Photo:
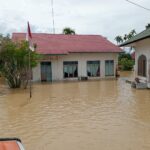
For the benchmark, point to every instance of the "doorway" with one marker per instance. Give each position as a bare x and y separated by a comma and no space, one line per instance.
46,72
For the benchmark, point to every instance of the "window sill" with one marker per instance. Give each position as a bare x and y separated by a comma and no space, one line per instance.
94,76
109,75
73,78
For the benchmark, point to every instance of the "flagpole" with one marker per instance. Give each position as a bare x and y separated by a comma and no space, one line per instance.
29,39
30,74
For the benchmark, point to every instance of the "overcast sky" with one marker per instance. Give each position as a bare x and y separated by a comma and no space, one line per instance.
103,17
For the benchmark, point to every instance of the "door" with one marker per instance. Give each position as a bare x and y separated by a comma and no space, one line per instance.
46,72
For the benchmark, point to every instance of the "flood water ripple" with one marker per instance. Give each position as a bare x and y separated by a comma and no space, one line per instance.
93,115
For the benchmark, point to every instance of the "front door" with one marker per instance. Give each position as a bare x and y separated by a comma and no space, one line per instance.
46,72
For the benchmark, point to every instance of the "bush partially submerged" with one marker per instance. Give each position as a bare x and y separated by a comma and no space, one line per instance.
14,62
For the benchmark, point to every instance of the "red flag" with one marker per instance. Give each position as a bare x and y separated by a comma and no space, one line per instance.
29,32
29,37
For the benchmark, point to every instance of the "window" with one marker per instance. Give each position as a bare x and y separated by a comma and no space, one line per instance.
70,69
142,66
109,68
93,68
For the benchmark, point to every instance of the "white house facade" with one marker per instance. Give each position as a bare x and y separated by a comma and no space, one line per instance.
143,52
74,66
141,44
73,57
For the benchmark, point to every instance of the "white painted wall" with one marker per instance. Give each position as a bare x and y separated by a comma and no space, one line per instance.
82,58
36,72
142,48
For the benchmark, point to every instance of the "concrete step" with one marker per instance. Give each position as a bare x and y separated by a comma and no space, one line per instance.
141,85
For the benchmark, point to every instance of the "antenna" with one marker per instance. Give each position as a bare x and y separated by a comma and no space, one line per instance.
52,3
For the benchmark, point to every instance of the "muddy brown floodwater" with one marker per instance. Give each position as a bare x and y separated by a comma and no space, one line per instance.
93,115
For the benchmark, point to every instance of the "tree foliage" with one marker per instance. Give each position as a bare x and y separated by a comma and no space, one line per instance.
125,61
124,55
120,39
68,30
14,62
147,26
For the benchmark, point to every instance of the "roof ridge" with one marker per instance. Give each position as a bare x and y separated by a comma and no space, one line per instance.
60,34
142,32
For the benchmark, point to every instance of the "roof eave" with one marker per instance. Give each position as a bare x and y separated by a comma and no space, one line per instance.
76,52
128,43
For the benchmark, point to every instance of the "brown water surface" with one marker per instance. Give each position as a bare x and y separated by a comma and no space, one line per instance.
93,115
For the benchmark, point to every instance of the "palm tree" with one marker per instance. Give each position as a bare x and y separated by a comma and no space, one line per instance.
133,32
68,30
129,36
118,39
125,37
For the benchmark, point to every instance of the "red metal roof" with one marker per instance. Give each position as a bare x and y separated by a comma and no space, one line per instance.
9,145
64,44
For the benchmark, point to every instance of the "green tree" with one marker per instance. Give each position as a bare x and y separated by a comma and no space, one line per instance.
14,62
147,26
129,35
126,64
119,39
125,61
124,55
68,30
125,37
133,32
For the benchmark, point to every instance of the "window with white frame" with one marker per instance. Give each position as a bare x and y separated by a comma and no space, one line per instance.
70,69
93,68
109,67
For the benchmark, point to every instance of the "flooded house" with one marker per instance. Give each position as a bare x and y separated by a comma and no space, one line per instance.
73,57
141,44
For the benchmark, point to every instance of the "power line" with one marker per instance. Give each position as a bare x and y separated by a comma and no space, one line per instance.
138,5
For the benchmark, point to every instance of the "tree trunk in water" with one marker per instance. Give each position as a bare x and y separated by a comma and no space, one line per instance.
14,82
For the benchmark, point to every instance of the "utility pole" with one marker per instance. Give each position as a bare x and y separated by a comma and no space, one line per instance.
52,3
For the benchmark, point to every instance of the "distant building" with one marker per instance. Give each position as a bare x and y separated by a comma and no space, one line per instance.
141,44
71,57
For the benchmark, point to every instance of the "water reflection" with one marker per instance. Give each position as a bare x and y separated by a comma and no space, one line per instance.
95,115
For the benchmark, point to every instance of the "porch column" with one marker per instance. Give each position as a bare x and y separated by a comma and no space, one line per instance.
102,69
148,78
149,70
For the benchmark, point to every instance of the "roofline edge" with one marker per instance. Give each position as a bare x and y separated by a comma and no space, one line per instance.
124,44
